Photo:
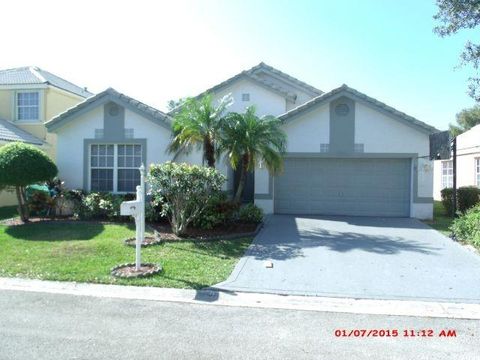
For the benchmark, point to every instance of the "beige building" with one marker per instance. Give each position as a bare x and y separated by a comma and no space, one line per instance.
468,164
29,97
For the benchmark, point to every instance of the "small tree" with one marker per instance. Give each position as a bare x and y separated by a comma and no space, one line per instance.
184,191
197,123
466,119
249,140
22,165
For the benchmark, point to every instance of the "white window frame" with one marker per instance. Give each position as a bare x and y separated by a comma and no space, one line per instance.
477,171
115,165
447,179
16,106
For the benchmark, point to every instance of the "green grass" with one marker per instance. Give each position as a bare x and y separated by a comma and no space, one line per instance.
8,212
86,252
441,222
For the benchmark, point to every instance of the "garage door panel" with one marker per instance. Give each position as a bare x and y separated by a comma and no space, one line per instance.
365,187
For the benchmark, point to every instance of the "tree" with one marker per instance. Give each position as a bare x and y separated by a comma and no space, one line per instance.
455,15
184,191
197,123
22,165
248,140
466,119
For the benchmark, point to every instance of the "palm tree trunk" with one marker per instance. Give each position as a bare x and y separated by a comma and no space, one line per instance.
209,151
243,177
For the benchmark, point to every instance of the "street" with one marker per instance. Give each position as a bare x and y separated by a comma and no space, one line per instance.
57,326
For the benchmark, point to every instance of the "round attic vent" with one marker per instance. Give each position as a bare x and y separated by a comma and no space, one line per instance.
342,109
113,111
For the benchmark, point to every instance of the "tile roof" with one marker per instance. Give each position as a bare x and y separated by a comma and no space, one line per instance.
30,75
10,132
110,94
355,94
252,74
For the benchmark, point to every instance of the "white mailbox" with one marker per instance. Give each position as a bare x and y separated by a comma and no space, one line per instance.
136,208
132,208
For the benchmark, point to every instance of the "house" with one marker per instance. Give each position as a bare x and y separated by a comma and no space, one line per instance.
348,154
29,96
468,164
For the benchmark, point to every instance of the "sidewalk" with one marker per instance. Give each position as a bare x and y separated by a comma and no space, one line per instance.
256,300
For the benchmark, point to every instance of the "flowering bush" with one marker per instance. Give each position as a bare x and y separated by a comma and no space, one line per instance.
184,191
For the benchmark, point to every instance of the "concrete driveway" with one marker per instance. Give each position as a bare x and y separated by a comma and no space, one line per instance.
359,257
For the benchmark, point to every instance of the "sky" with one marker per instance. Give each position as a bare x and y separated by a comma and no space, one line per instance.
156,51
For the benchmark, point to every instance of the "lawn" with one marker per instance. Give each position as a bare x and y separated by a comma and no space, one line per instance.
441,221
85,252
8,212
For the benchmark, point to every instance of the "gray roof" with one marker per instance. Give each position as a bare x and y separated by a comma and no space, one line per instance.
30,75
103,97
10,132
358,96
252,74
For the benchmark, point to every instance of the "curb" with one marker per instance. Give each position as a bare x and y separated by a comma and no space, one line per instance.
255,300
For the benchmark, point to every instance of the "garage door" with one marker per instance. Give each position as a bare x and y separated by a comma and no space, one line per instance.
359,187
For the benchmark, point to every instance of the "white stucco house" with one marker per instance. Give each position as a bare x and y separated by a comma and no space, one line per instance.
468,164
348,154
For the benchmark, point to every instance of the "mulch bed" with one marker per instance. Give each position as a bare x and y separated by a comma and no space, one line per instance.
129,270
237,230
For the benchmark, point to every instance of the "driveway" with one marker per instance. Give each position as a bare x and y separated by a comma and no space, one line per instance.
359,257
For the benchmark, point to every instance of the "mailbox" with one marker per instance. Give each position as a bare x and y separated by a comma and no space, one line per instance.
132,208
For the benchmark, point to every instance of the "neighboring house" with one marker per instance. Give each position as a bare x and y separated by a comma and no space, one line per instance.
30,96
468,164
348,154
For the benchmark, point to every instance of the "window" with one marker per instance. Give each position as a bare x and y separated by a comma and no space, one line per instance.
324,148
114,168
477,171
447,174
102,165
129,160
28,106
245,97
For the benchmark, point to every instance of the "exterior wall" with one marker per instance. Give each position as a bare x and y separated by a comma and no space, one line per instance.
71,142
380,134
52,102
157,137
7,198
468,149
70,146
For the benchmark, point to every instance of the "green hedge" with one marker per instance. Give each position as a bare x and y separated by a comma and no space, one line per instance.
467,226
467,197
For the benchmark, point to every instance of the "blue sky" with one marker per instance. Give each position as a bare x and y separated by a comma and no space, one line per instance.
156,51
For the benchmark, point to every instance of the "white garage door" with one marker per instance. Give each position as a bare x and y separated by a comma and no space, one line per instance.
359,187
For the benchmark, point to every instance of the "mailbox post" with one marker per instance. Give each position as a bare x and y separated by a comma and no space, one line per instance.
136,208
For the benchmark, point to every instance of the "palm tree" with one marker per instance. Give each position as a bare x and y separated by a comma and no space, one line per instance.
248,140
197,123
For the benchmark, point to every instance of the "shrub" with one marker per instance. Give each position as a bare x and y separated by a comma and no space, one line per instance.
219,211
467,226
41,203
447,200
22,165
184,191
250,213
101,206
467,197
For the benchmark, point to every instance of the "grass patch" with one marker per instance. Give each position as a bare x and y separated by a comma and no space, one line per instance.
441,222
86,252
8,212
